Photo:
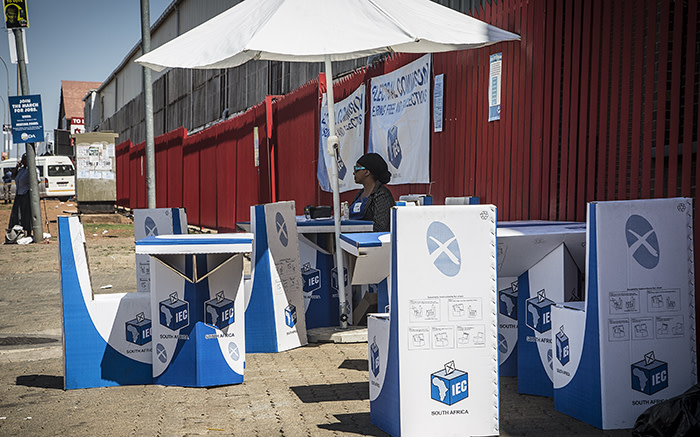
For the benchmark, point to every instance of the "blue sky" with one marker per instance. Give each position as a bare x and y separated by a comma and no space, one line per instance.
73,40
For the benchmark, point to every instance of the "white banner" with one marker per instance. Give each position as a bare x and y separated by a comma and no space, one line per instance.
400,121
350,129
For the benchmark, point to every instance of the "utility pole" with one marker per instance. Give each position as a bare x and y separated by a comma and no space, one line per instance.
37,227
148,99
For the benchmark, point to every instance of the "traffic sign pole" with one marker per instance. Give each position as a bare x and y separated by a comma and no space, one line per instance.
37,227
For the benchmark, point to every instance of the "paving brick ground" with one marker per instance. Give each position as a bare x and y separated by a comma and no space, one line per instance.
317,390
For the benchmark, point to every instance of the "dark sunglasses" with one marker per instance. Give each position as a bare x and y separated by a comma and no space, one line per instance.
358,168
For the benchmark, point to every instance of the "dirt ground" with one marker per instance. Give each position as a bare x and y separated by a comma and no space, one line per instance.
109,243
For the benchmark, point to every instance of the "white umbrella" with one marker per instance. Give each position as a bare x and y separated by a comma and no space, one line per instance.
323,31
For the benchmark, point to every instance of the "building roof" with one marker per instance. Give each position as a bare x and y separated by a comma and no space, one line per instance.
72,94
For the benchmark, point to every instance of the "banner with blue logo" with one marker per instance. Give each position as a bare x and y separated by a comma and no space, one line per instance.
350,129
633,343
438,371
400,121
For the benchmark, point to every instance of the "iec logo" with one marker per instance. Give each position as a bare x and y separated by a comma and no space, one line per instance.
219,311
393,148
642,241
150,227
539,315
281,229
562,346
449,385
342,169
174,313
374,357
649,375
290,315
138,330
444,249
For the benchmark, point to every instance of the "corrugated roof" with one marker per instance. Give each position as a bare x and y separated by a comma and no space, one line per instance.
72,93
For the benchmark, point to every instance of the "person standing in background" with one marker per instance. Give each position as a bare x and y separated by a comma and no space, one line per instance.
21,209
7,185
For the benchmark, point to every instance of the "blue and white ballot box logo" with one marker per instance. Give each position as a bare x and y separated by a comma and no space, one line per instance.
649,375
443,249
150,227
219,312
334,277
562,345
539,312
449,385
374,357
174,312
290,315
138,330
642,241
393,148
281,228
508,301
311,278
342,168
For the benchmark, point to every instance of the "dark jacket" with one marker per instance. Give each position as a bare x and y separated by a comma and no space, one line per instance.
378,208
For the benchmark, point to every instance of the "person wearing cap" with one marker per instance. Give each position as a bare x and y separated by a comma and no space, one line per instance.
375,201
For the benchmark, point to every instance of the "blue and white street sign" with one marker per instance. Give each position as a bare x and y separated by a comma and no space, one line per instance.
27,119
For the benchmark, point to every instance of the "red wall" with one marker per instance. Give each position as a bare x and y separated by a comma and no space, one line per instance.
581,118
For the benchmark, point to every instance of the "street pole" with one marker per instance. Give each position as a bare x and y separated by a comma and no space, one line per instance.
37,228
148,99
7,142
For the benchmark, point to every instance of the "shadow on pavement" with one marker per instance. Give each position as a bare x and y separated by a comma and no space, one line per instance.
350,391
356,423
41,381
361,365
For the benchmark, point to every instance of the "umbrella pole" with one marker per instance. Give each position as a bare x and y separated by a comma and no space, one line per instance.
333,150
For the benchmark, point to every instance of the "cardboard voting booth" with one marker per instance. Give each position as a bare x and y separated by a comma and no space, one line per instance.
274,314
555,278
433,360
368,256
197,308
318,270
521,244
107,337
155,221
632,344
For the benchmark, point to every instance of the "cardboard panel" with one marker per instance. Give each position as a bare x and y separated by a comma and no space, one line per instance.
442,362
638,327
106,338
275,321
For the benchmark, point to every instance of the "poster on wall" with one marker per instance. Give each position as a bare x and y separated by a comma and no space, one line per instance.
495,86
400,121
438,92
350,129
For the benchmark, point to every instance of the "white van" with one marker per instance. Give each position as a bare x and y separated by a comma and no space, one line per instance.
56,176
